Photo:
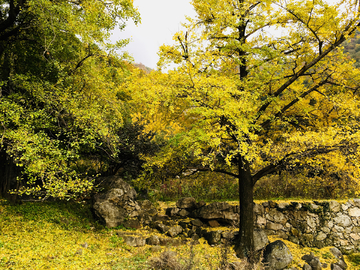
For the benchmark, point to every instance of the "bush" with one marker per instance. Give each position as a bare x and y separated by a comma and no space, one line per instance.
201,185
305,186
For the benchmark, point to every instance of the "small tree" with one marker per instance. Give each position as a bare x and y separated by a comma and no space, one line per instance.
261,87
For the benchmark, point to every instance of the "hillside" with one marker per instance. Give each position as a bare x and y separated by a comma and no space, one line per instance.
352,47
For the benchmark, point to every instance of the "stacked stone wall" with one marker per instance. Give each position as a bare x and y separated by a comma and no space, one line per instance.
313,224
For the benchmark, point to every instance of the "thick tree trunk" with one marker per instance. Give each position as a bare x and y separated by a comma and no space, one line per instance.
245,244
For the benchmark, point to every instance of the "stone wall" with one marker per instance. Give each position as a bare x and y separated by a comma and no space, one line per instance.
312,224
315,224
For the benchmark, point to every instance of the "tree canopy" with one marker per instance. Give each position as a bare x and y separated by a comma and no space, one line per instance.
59,95
260,87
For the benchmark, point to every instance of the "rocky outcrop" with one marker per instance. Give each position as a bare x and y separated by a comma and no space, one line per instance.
117,203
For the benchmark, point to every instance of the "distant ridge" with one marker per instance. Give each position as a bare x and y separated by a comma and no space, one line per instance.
352,47
142,67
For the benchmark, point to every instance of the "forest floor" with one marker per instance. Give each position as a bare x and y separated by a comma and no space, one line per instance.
62,235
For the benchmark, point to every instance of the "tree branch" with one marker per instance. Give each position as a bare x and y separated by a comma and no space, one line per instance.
287,159
307,66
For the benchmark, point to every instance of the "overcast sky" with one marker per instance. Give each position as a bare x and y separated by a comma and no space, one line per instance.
160,20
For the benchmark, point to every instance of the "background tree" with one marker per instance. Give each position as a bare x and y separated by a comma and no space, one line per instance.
59,96
261,87
352,48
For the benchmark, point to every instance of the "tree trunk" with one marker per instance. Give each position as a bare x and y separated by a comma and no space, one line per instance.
245,243
8,177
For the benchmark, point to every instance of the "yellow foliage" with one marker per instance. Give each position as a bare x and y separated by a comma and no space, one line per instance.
275,90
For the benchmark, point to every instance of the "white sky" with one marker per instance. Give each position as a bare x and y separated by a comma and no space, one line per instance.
160,20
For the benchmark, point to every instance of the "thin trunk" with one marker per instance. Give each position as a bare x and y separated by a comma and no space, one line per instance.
245,244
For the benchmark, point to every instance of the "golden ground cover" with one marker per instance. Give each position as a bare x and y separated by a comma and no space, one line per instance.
64,236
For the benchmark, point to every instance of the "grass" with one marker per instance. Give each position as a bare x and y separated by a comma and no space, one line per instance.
56,235
62,235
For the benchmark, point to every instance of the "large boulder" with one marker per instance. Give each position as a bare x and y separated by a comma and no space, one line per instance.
277,256
117,203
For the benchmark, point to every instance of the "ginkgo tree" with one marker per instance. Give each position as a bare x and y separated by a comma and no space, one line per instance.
261,87
60,104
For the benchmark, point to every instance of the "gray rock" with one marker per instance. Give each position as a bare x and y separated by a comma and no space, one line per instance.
172,211
314,208
274,226
170,242
283,206
132,223
160,218
334,206
161,227
337,253
336,266
213,237
354,212
277,255
183,213
308,257
186,203
134,241
343,220
214,210
195,237
348,249
312,261
228,235
356,202
315,264
197,222
276,216
260,239
155,249
153,240
117,203
258,209
345,206
175,230
200,204
321,236
145,205
184,224
341,264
